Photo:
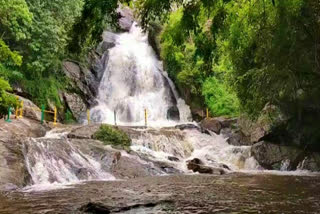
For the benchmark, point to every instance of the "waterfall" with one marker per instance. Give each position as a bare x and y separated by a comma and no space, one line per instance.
134,81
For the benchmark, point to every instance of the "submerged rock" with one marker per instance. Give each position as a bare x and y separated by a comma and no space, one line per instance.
196,165
171,158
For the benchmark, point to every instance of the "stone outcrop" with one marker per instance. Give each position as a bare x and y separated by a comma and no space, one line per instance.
82,80
217,124
235,137
126,18
272,156
211,124
30,110
76,105
13,173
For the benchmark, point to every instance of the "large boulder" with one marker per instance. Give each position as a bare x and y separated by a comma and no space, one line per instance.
81,78
22,127
76,105
126,18
235,137
277,157
30,110
211,124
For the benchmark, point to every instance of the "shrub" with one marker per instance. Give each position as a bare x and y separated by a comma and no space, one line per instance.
113,136
6,100
219,98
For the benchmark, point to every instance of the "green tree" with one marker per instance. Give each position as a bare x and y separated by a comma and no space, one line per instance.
87,30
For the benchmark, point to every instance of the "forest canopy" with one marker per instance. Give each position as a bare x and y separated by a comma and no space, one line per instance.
245,55
37,35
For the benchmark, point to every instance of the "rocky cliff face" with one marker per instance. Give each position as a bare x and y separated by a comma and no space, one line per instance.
84,80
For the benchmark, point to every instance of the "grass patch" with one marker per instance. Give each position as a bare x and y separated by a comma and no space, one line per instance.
113,136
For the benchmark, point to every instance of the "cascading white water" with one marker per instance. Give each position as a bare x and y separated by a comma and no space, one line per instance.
52,161
186,145
134,81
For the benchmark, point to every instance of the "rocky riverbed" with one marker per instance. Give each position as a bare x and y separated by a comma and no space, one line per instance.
64,170
233,193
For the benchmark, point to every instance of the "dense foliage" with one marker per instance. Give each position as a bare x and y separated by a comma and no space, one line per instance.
89,27
266,52
37,35
113,136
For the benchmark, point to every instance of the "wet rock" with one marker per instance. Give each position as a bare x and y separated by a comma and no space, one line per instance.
211,124
175,159
236,137
9,187
98,66
227,122
224,166
109,41
154,31
311,162
126,18
166,168
196,165
81,173
255,130
13,172
272,156
187,126
75,104
173,113
192,126
196,161
84,132
95,208
82,80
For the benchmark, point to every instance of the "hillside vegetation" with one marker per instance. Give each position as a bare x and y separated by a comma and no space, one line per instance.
239,56
37,35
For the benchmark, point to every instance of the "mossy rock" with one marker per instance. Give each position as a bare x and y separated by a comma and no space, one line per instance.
113,136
